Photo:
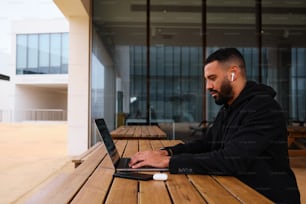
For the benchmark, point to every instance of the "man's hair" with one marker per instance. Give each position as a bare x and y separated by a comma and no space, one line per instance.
226,55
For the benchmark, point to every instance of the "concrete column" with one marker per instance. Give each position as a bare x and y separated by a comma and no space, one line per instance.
78,14
78,85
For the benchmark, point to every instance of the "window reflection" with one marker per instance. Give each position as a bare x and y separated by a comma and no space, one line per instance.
176,43
42,53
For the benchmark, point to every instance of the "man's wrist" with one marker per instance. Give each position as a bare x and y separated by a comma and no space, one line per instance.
169,151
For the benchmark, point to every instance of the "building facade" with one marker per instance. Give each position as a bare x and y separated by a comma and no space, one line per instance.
145,58
37,83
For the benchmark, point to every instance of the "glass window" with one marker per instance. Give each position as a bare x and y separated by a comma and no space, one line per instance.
118,31
65,51
44,53
21,53
44,50
176,92
283,42
228,24
55,51
298,85
176,40
33,51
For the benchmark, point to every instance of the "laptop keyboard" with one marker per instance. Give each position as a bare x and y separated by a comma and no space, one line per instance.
124,163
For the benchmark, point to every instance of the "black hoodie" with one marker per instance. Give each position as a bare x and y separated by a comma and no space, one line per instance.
248,140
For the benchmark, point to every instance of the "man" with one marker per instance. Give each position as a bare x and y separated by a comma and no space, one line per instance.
248,138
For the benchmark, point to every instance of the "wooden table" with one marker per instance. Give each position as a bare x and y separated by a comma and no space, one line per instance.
296,132
92,182
139,132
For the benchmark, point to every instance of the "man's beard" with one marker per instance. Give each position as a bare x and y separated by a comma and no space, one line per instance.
225,94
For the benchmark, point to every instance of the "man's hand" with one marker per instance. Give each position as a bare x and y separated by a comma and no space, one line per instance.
150,158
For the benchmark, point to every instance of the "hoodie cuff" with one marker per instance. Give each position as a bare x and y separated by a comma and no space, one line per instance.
180,165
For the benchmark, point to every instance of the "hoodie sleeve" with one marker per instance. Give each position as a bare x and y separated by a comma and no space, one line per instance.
253,139
195,146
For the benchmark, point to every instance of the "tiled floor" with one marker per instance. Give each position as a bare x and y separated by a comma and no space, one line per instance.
31,153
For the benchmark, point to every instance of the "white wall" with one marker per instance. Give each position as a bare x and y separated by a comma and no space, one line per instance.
39,98
38,101
39,26
6,88
6,101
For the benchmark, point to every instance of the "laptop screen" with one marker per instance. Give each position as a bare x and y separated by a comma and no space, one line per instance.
107,139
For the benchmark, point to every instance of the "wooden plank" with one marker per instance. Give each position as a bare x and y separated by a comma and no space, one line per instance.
156,144
159,132
96,188
182,191
147,189
241,191
66,191
153,192
145,133
79,159
119,131
131,148
290,140
130,132
123,191
294,133
156,133
138,132
45,190
145,145
120,145
296,129
151,132
95,192
211,190
115,132
299,144
297,152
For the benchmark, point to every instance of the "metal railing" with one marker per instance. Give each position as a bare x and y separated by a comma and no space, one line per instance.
33,115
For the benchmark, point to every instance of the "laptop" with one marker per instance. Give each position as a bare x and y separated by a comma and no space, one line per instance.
120,164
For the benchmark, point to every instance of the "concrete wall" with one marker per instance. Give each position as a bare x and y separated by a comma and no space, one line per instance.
39,104
77,13
6,90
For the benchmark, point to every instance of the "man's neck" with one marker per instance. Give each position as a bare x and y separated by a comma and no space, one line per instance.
237,89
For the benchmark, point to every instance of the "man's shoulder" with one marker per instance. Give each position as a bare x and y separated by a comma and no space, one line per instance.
261,103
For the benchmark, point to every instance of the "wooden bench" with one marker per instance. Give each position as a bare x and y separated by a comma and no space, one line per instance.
296,133
93,182
139,132
63,188
81,158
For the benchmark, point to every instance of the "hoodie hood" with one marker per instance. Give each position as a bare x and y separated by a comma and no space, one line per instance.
253,89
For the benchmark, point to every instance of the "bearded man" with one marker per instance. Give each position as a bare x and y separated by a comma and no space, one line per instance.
248,138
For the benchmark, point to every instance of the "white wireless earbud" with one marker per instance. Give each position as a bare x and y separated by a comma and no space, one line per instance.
233,76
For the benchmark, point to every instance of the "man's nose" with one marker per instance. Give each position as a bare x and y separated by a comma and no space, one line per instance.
208,85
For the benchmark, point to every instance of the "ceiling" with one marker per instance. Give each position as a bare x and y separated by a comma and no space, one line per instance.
123,22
